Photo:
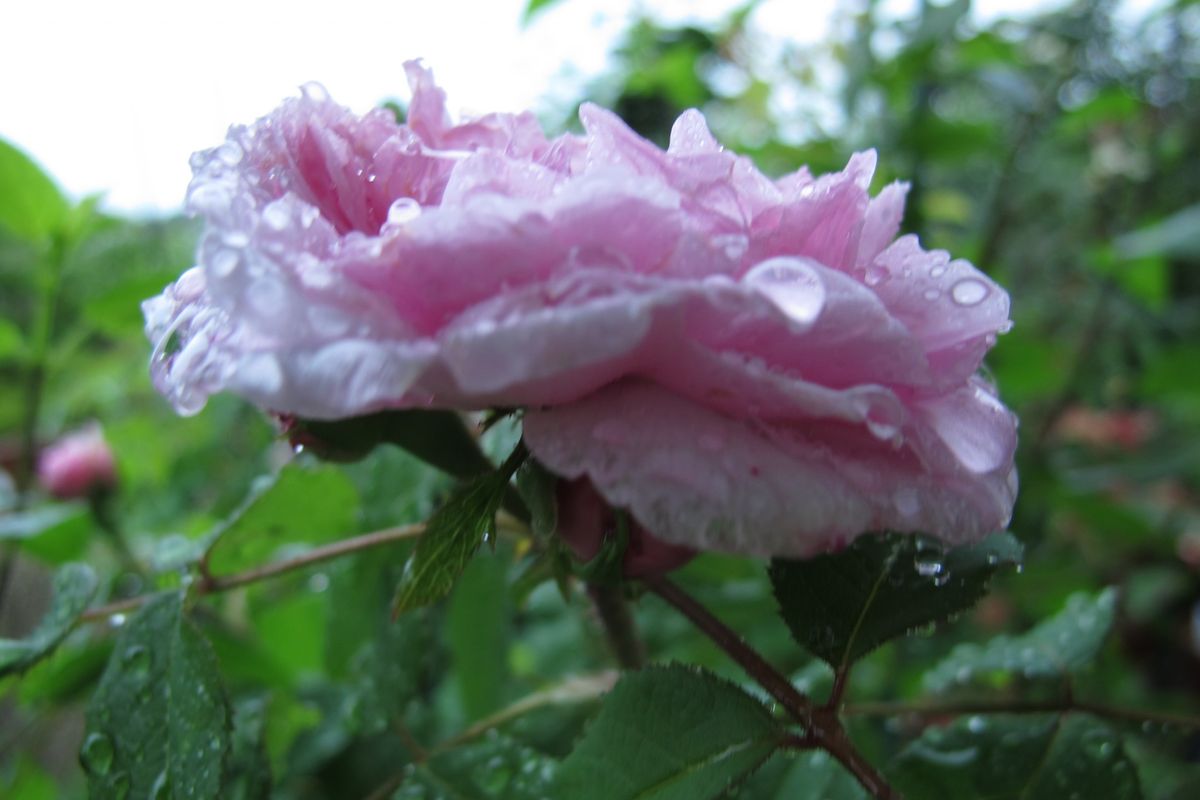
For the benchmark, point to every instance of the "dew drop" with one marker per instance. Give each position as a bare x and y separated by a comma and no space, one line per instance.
932,294
97,754
276,217
402,210
875,276
969,292
116,620
136,660
976,724
928,564
938,271
792,285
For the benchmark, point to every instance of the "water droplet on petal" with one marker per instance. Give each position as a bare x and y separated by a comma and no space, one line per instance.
792,284
229,153
276,217
97,754
932,294
403,209
969,292
875,276
938,271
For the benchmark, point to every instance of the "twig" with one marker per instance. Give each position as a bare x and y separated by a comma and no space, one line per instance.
779,687
1061,706
214,584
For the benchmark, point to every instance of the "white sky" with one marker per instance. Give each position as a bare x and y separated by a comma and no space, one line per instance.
114,95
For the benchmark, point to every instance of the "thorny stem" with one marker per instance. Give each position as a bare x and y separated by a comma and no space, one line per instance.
618,624
210,584
1061,705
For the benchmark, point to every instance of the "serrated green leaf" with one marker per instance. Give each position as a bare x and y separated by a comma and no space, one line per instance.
300,506
842,606
31,206
158,724
452,535
1062,644
669,733
1010,757
74,587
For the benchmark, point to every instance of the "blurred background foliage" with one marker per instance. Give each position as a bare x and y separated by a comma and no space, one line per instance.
1059,152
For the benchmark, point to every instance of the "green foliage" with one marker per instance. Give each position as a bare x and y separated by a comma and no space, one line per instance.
843,605
158,724
1018,758
669,733
74,587
1062,644
31,206
298,506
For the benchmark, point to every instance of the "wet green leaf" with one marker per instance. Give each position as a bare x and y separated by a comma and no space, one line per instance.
842,606
299,506
1062,644
158,725
1010,757
74,587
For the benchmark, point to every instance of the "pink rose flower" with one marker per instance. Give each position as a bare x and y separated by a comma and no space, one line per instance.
745,364
77,465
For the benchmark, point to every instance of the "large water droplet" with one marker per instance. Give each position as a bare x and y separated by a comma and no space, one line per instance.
969,292
928,563
792,284
403,209
97,754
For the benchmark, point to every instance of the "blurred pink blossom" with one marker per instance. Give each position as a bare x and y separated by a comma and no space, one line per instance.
745,364
77,465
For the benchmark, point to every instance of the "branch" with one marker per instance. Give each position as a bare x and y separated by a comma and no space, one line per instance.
1058,706
778,686
214,584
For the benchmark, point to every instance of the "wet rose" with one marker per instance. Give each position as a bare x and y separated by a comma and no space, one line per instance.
78,465
742,363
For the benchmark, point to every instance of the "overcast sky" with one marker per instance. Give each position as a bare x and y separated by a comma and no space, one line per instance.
113,96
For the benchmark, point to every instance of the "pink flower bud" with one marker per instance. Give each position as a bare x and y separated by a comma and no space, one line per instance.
77,464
